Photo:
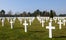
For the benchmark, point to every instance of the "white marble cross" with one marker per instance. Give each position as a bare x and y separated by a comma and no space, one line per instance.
8,18
2,22
55,19
42,23
47,18
51,20
60,23
40,20
30,21
64,22
33,18
50,27
14,19
20,19
11,22
25,24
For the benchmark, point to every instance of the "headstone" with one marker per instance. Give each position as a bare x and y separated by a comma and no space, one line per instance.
64,21
14,19
8,18
33,18
51,20
42,23
58,18
60,23
40,20
20,19
47,18
25,24
50,27
2,22
11,22
30,21
55,19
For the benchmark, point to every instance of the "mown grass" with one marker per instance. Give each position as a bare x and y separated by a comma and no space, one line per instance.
35,31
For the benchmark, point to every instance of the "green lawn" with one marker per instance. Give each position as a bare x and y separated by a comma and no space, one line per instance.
35,31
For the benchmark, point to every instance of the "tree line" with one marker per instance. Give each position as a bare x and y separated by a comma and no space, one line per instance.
36,13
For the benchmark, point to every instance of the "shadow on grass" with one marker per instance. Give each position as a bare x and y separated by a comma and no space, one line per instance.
19,28
59,37
37,31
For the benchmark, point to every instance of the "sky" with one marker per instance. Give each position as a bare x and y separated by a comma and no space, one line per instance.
31,5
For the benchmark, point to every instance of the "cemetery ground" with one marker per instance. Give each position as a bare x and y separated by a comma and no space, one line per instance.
35,31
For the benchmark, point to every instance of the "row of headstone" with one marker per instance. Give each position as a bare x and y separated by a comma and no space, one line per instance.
40,19
50,27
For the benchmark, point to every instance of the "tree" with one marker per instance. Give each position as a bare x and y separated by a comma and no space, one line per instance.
41,14
51,13
36,13
62,14
17,14
29,14
2,13
45,13
9,13
24,14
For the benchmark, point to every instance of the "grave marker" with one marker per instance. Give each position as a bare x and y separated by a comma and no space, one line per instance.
20,19
50,27
11,22
64,22
42,23
30,21
51,20
60,23
25,24
2,22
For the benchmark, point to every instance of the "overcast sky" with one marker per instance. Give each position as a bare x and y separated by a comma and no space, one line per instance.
30,5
